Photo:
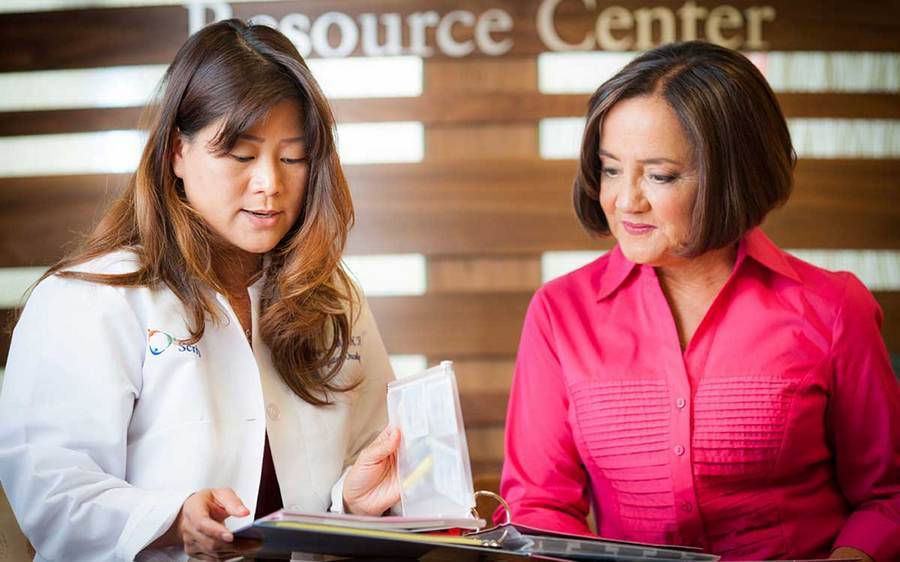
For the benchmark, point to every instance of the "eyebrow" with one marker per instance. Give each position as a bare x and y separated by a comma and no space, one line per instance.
645,161
260,139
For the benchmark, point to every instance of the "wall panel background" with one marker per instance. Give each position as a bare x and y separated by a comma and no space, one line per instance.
483,206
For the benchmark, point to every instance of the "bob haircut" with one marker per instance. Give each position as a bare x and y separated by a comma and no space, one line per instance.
740,140
233,73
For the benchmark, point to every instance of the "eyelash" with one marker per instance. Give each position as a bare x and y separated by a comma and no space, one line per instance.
658,178
245,159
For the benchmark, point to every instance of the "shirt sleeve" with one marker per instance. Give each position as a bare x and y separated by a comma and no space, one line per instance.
72,378
369,415
864,417
544,480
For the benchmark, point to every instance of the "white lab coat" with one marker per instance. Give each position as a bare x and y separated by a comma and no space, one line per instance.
102,439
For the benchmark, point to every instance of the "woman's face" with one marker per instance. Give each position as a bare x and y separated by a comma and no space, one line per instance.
648,180
250,196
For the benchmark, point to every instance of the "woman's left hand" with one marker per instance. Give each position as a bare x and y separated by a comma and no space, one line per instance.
371,486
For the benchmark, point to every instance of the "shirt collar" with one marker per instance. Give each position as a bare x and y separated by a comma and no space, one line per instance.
758,246
754,244
618,268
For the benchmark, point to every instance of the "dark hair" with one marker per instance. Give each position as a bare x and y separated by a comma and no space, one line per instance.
237,72
740,139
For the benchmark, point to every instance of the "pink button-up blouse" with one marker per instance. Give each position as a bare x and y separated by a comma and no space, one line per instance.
775,433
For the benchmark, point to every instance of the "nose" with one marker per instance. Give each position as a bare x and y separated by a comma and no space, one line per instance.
266,177
630,198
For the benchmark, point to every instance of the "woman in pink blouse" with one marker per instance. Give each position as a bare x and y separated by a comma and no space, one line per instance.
696,384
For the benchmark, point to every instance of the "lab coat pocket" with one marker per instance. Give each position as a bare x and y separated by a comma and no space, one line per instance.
177,387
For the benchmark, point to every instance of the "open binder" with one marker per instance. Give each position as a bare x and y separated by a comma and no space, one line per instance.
505,542
436,491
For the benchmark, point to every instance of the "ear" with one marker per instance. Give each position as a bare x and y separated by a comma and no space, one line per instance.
179,145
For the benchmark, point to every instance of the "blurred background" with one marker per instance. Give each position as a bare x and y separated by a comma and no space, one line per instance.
459,125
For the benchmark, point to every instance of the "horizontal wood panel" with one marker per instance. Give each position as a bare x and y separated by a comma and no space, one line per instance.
481,375
495,141
452,274
484,408
7,322
890,328
452,326
480,208
449,109
485,444
477,327
511,75
118,36
484,474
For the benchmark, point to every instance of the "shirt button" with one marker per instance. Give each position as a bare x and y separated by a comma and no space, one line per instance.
273,412
680,403
687,506
679,450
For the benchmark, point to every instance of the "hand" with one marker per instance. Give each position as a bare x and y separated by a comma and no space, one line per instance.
199,524
850,552
371,486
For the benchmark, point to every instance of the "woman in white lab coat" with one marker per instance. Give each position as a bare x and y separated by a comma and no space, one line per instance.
203,358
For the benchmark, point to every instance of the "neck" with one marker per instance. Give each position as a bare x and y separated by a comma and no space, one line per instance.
707,272
237,270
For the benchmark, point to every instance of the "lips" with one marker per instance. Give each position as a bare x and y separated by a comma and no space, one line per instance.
262,213
636,229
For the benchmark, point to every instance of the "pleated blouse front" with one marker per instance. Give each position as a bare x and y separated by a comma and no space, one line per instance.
774,434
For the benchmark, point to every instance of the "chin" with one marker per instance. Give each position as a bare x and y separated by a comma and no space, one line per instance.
258,247
638,255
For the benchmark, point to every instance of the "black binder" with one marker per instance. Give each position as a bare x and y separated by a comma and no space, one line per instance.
280,539
506,542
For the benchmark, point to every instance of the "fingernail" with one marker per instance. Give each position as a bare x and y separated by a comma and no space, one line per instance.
227,537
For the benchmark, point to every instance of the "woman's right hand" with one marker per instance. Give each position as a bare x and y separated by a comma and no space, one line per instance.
200,526
199,529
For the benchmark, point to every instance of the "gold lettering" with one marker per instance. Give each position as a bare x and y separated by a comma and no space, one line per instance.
724,17
614,17
690,13
645,17
756,15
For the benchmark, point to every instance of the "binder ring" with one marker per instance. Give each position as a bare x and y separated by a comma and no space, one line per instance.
497,498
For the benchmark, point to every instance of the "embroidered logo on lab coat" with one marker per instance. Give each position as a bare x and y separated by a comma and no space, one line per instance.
352,353
159,341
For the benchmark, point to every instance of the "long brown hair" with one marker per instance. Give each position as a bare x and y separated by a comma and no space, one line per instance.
237,72
729,113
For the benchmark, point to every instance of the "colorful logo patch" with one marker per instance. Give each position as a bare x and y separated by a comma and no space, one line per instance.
158,341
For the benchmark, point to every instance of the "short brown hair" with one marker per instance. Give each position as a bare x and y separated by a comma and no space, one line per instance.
740,139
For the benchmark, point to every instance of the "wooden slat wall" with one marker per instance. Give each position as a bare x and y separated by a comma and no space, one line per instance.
482,206
120,36
453,108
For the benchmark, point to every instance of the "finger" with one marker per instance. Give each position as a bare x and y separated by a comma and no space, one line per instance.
382,447
210,546
230,502
215,530
201,544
